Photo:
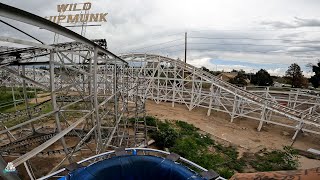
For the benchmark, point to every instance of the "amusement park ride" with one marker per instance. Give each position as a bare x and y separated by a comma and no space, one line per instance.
92,94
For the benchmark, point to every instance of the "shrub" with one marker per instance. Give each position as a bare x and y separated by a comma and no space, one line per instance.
276,160
186,147
185,128
151,121
231,152
165,136
184,139
225,172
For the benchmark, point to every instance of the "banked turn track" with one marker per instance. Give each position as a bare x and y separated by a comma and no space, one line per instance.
174,81
170,80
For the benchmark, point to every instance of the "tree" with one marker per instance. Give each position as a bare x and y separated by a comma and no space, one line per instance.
239,79
295,74
262,78
205,69
315,79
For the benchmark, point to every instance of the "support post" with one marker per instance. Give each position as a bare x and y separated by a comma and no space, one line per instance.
35,89
54,100
115,97
174,83
158,85
234,108
26,98
192,90
13,98
210,100
299,127
95,97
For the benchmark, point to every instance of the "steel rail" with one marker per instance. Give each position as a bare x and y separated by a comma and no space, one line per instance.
128,149
43,146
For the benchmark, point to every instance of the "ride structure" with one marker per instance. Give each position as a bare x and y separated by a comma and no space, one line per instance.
78,102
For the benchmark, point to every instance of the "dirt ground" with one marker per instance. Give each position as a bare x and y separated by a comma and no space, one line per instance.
40,98
242,132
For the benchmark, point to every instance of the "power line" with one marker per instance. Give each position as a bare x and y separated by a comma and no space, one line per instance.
264,39
241,51
163,47
157,44
278,45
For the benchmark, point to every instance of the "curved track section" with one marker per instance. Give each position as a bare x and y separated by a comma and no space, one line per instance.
88,87
83,86
175,81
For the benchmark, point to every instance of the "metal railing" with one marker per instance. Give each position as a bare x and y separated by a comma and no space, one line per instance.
143,150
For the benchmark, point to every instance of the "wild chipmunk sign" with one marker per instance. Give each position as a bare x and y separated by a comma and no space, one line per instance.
80,17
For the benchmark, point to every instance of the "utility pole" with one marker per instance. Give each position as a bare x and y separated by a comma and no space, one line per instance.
185,47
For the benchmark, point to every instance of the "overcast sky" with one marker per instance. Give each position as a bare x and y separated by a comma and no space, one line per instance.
223,34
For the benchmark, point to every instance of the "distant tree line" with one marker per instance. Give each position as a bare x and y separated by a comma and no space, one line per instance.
293,76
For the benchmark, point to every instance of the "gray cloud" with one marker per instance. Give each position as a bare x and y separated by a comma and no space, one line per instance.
133,24
297,23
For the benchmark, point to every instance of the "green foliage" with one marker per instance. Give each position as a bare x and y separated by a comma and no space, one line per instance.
131,120
315,79
205,69
277,160
225,172
186,147
262,78
186,140
151,121
6,98
215,73
196,147
229,151
295,73
166,135
47,107
196,151
239,79
186,128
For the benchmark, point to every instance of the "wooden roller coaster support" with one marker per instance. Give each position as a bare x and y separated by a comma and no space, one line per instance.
54,100
26,98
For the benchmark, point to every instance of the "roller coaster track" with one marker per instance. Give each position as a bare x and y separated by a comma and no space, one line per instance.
4,117
112,91
305,120
71,68
19,146
156,66
15,56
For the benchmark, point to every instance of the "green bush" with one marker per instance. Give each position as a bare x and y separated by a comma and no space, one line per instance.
6,98
186,147
151,121
184,139
225,172
231,152
185,128
276,160
165,136
131,120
